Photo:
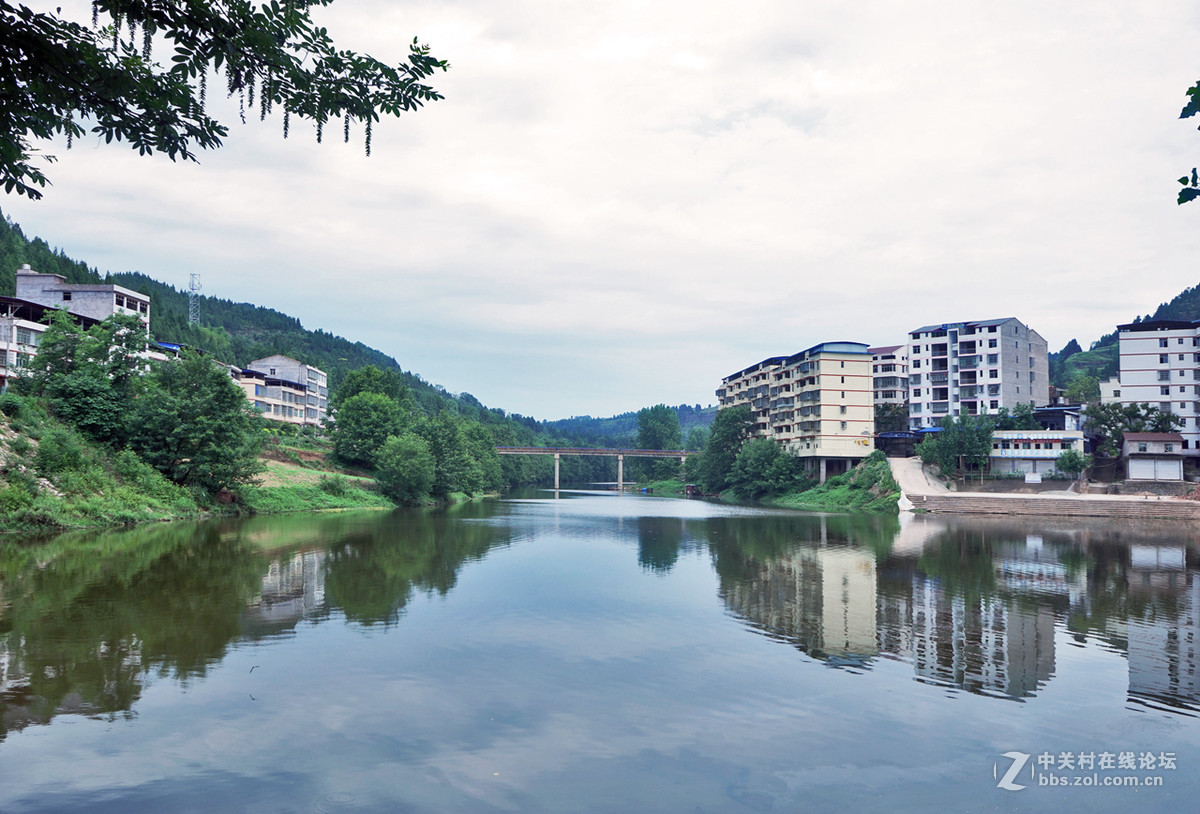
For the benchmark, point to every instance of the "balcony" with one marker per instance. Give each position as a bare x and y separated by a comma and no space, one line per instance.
939,378
939,407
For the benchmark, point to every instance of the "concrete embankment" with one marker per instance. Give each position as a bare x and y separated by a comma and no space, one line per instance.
922,493
1130,508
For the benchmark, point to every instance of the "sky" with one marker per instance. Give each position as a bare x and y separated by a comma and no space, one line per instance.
617,204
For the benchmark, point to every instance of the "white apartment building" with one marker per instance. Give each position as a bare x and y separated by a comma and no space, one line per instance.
314,380
889,366
971,368
1160,366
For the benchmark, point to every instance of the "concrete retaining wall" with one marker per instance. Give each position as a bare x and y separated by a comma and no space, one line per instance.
1153,508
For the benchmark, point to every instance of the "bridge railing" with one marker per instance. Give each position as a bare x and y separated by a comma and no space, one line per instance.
632,453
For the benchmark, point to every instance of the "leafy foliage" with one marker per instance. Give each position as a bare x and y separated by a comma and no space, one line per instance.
730,430
964,443
1111,421
194,425
363,425
405,468
1072,462
763,468
60,74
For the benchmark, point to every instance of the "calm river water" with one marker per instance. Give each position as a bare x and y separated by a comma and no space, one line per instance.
602,653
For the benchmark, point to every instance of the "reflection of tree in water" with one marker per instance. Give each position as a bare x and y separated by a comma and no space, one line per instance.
372,576
659,541
86,618
963,562
89,615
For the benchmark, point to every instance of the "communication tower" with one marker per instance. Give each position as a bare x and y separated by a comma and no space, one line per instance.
194,300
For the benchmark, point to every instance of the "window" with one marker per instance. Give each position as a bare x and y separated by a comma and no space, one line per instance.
993,405
991,343
1164,375
1116,394
1180,342
993,358
66,296
1181,357
916,363
1168,447
1162,358
1165,390
993,374
1162,343
25,336
1141,446
843,425
1165,406
843,413
991,329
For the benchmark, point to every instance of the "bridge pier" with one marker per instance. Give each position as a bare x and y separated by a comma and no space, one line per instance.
620,474
556,471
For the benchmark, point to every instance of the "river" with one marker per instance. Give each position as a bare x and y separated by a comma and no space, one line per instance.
601,653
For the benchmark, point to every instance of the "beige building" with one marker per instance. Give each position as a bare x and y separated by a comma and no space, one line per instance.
818,403
313,380
274,397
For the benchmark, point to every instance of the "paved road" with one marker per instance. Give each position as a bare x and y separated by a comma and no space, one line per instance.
910,474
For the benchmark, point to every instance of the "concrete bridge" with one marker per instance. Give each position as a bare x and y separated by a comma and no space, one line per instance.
619,454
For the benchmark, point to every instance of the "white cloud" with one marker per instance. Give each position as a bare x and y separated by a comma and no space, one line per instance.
616,205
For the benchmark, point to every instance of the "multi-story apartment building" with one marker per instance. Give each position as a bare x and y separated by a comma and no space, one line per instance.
889,366
751,386
21,327
274,397
970,368
1160,365
95,301
818,403
314,380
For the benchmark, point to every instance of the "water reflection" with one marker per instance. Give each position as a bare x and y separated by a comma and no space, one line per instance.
974,604
88,621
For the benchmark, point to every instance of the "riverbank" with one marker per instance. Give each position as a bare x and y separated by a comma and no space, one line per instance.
924,493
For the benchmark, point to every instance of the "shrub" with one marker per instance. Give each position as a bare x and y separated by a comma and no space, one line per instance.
11,404
334,485
59,451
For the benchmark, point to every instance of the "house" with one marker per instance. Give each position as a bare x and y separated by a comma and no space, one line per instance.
1160,366
1154,455
1031,451
314,381
971,368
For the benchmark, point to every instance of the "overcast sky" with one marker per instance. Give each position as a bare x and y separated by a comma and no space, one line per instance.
619,203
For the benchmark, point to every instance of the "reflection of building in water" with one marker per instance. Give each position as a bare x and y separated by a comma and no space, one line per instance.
988,644
291,589
820,599
1164,655
848,602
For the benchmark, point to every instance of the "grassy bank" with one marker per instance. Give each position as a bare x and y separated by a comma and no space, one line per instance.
867,487
670,487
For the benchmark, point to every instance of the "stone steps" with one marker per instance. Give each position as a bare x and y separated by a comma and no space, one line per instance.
1148,509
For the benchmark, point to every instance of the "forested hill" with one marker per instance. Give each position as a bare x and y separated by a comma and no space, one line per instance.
1101,359
621,430
233,332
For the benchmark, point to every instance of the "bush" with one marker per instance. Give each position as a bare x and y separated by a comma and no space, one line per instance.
334,485
11,404
59,451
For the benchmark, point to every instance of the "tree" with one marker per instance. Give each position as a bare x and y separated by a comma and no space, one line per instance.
1082,389
964,443
1072,462
454,468
1021,418
658,428
363,425
1191,185
891,417
89,376
57,75
193,424
405,468
1111,421
764,468
729,431
370,379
